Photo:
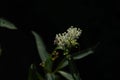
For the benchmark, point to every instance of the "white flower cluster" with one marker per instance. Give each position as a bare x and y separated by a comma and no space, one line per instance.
69,38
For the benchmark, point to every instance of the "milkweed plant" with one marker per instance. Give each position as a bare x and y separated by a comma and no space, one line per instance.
60,63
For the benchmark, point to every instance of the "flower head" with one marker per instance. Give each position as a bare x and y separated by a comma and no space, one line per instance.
68,39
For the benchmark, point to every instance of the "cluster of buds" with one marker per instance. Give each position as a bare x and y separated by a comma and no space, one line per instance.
68,39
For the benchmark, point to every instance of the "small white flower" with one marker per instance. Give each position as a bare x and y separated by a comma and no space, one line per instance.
69,38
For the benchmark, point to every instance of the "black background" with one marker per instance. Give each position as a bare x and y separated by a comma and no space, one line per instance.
99,21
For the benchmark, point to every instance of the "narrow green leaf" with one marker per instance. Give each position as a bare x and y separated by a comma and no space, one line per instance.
82,54
41,47
39,76
86,52
73,69
63,63
30,75
50,76
66,75
48,64
77,55
33,74
7,24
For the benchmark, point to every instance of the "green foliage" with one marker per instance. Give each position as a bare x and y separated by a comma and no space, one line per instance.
48,63
33,73
50,76
7,24
76,56
73,69
41,47
49,60
66,75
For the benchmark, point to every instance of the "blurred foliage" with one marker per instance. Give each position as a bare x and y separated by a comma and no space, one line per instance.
49,60
52,63
7,24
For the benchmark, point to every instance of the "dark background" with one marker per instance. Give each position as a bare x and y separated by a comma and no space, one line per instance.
99,21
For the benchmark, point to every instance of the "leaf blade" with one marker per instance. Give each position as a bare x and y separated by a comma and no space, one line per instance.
82,54
7,24
66,75
86,52
48,64
50,76
76,56
41,47
33,73
73,69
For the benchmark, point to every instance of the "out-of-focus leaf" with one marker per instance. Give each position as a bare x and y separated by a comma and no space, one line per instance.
77,55
30,75
48,64
62,64
7,24
82,54
41,47
50,76
33,74
73,69
66,75
39,76
65,63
